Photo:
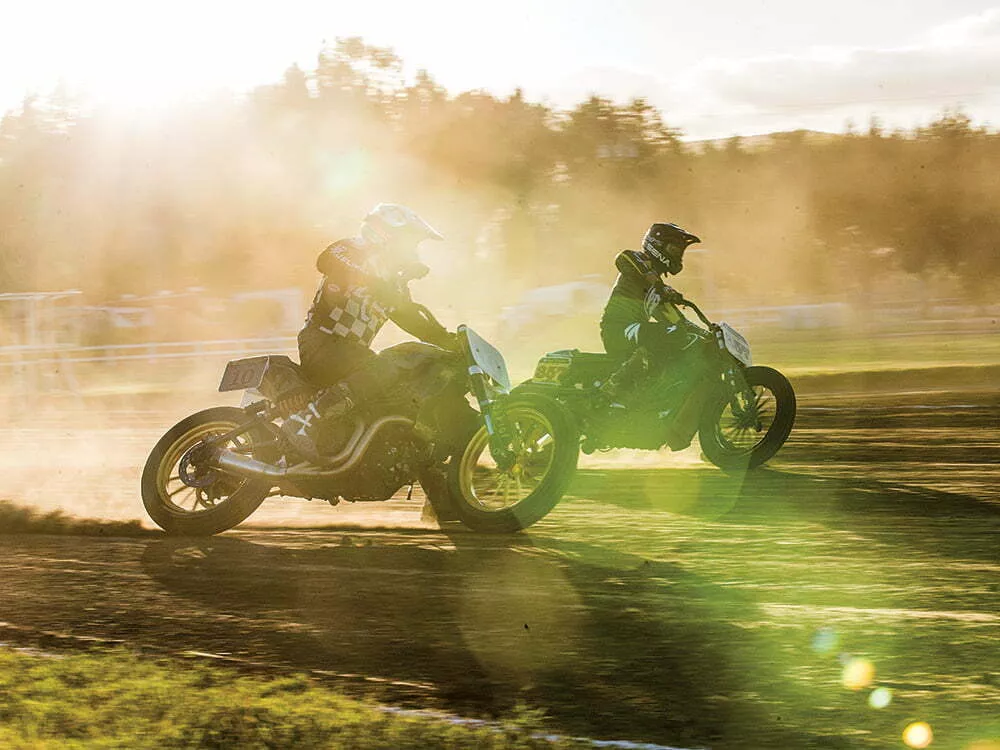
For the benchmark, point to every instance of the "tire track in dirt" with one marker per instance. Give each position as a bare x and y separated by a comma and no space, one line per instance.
672,605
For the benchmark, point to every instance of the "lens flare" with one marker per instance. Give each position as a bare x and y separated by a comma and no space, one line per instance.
347,171
880,697
825,640
858,674
918,735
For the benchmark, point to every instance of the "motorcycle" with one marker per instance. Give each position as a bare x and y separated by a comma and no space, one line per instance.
496,461
742,413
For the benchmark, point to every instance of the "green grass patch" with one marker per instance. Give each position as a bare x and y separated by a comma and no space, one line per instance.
18,519
118,700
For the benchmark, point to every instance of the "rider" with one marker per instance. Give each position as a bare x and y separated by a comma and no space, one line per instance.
626,326
364,284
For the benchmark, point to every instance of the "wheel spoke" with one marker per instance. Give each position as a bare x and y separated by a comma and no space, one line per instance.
732,430
488,496
494,485
204,498
496,497
747,418
182,501
179,490
492,490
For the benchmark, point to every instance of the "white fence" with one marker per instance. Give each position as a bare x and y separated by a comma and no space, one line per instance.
26,371
28,356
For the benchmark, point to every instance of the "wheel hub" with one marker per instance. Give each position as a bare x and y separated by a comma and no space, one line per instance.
748,415
193,470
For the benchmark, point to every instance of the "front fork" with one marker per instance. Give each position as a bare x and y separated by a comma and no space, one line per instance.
492,406
737,382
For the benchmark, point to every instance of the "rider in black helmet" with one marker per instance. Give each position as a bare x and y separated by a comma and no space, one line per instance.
635,326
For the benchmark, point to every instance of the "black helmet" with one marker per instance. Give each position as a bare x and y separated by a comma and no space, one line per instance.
664,246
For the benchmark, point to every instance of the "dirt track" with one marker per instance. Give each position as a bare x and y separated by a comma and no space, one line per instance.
661,604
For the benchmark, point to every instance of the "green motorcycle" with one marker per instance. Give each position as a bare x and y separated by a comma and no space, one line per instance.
742,413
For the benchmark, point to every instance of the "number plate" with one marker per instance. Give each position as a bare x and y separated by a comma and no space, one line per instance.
241,374
551,370
487,358
736,344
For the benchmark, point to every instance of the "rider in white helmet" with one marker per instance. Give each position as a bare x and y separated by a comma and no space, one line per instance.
364,284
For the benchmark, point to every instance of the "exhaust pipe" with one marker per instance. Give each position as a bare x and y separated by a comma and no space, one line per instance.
245,466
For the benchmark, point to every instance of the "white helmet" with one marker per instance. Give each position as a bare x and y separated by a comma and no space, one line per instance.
396,225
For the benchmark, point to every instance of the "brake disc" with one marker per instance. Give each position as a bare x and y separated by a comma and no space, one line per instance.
191,469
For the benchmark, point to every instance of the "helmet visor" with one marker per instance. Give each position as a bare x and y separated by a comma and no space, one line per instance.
418,223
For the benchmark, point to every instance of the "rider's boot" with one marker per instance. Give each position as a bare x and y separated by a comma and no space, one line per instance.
625,378
301,429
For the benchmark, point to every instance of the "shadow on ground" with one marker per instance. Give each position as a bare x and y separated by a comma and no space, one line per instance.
951,524
609,645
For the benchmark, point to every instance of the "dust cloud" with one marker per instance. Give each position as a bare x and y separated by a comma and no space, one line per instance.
141,252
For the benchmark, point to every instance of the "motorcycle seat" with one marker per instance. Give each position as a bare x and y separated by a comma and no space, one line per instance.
586,359
596,358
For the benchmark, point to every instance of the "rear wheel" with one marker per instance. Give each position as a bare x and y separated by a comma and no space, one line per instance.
491,497
741,431
185,498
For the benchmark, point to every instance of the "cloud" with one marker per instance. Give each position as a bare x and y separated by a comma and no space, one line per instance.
863,76
957,63
951,65
981,27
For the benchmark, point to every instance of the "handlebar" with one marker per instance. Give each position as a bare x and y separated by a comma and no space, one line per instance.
442,337
673,296
697,311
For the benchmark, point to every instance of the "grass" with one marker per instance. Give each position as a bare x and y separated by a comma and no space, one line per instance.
17,519
118,700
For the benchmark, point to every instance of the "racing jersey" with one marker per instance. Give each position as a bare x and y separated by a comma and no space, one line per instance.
634,301
353,301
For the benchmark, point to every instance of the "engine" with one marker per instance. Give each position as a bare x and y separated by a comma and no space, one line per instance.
644,430
390,462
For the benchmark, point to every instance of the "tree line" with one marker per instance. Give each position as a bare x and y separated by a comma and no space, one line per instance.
235,192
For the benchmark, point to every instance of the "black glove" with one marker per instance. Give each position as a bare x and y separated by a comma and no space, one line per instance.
413,270
669,294
443,338
393,294
450,342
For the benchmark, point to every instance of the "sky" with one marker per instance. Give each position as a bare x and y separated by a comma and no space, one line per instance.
714,67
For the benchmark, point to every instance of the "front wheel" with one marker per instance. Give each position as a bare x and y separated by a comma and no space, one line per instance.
741,431
184,499
504,498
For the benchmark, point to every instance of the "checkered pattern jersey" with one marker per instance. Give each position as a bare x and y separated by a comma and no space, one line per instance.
344,306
